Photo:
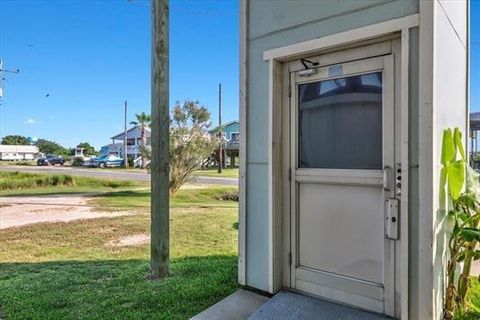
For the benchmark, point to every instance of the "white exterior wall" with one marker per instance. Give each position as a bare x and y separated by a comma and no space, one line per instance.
450,110
18,152
16,156
442,103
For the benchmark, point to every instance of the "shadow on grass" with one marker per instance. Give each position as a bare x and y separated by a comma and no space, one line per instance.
125,193
48,193
114,288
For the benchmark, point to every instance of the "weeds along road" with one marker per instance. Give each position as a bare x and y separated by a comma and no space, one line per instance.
111,174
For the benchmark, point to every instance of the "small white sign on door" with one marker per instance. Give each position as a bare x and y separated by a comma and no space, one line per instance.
335,71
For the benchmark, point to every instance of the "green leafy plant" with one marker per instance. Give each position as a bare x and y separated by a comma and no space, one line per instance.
190,143
459,197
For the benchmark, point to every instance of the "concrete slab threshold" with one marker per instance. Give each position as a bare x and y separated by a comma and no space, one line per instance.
285,305
237,306
293,306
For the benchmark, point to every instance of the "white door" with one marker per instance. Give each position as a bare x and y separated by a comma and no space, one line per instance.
344,219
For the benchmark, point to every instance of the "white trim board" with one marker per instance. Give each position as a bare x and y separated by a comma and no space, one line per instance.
423,307
242,204
364,33
404,144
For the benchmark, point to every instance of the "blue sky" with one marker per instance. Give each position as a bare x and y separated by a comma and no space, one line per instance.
91,56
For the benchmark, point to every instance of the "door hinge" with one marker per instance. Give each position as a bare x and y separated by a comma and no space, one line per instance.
290,91
290,258
290,174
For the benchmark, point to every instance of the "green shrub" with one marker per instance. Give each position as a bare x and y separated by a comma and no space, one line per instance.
130,161
77,162
19,180
227,195
69,181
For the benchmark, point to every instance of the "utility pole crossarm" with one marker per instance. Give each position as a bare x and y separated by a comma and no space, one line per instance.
2,70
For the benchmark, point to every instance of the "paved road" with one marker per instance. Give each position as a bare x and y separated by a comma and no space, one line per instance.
111,174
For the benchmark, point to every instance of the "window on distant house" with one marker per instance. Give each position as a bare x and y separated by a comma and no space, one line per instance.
130,141
234,136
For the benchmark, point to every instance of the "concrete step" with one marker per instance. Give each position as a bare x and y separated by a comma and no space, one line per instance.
237,306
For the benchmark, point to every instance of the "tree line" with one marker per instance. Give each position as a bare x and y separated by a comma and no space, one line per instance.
49,147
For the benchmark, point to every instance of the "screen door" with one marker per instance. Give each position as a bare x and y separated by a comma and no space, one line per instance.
342,149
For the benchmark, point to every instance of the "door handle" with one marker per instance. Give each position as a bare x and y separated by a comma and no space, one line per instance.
387,178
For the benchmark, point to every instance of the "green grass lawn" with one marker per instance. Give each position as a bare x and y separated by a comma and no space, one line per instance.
69,270
18,163
213,172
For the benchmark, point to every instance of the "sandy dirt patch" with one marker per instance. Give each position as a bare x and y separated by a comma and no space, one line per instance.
189,185
20,211
134,240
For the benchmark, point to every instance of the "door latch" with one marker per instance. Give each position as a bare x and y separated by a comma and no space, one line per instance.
387,178
391,219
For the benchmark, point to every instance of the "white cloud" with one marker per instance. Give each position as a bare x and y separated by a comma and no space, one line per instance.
31,121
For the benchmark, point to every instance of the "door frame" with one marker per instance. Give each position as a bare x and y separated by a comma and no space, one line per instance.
382,59
281,62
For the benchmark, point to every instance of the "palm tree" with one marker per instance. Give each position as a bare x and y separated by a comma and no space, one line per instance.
143,120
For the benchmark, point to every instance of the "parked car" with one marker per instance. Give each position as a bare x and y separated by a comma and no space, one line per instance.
104,162
50,160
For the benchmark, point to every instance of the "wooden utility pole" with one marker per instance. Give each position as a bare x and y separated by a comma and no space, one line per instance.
160,165
125,157
220,129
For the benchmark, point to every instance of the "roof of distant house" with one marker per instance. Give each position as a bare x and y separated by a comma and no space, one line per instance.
18,148
224,125
120,135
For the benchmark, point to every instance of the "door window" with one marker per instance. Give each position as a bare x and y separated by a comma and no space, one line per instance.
340,123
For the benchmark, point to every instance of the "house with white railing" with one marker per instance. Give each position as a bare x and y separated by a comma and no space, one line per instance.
231,138
134,142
